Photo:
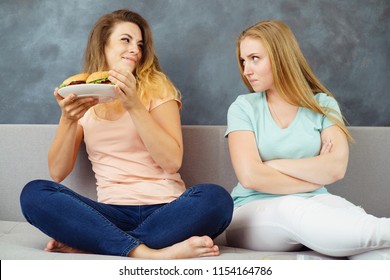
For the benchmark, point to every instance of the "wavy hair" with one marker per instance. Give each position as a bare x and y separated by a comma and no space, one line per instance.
293,78
151,81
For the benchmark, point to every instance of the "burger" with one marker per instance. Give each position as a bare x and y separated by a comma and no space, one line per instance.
77,79
100,77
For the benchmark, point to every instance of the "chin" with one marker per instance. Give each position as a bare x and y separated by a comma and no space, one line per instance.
126,66
257,89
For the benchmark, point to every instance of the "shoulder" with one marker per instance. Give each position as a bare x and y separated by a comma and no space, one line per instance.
156,102
250,97
325,100
248,101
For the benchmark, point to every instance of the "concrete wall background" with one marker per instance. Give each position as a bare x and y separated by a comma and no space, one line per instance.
345,41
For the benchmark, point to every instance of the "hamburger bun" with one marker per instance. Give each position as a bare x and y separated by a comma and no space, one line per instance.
99,77
80,78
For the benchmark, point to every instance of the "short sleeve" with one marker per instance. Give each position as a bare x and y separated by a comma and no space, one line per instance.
238,116
330,104
153,104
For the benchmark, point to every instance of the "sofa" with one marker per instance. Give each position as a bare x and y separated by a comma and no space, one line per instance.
23,157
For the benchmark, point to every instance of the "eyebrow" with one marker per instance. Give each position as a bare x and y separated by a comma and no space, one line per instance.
251,54
131,37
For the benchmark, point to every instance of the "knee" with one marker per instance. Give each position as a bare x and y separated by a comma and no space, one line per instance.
222,195
32,193
219,198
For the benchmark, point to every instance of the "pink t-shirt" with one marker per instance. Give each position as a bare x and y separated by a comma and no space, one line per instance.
125,172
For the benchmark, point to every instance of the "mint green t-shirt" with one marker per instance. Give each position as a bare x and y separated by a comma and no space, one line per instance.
301,139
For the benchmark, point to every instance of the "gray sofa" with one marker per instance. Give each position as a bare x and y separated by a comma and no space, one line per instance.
23,157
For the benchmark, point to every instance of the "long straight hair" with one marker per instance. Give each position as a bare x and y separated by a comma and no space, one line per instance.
151,81
294,80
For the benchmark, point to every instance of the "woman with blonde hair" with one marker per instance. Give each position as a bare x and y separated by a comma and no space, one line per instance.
287,140
135,146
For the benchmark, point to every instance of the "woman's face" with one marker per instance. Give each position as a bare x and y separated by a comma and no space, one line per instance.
124,46
256,64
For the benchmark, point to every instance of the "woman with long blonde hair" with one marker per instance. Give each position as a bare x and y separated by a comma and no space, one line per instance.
135,146
287,140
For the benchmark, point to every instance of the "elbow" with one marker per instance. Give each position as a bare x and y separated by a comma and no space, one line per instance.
56,177
173,166
172,170
250,177
336,175
247,182
339,174
340,170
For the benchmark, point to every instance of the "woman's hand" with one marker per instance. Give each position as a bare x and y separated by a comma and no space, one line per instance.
326,147
126,87
72,107
159,129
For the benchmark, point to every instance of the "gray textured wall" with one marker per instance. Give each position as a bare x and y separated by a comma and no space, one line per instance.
345,41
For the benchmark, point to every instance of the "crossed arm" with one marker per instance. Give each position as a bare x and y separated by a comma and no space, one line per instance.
287,176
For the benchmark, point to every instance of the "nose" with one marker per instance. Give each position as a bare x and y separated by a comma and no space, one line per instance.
134,48
247,70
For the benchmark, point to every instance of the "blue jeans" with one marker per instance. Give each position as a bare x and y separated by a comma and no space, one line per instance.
108,229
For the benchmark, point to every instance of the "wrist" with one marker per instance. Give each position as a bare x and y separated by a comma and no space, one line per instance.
136,107
67,122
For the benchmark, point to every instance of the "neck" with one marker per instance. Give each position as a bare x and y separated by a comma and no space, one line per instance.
281,111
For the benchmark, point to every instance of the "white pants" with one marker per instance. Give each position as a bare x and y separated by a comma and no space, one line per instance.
324,223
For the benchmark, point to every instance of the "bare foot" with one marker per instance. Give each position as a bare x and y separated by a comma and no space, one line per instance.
193,247
56,246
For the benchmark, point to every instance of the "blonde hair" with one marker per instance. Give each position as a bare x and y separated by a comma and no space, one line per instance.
293,78
151,81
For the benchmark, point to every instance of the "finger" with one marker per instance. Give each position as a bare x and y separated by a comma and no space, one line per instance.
123,76
116,81
117,75
82,102
70,98
77,111
324,148
118,92
122,89
130,76
72,104
57,95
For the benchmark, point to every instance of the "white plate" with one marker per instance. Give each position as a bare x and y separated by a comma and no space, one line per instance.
104,92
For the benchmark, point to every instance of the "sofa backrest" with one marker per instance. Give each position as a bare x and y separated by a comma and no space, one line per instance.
23,157
367,181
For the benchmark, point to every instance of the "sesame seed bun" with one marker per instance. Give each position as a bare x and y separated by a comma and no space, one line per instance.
99,77
80,78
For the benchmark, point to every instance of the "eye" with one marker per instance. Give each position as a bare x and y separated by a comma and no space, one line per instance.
242,62
255,58
125,39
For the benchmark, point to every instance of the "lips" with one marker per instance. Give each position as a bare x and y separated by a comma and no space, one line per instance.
132,59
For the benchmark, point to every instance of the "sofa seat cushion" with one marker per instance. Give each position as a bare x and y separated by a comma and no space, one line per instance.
22,241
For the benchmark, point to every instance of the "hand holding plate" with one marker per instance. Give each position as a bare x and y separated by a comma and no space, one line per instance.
73,107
